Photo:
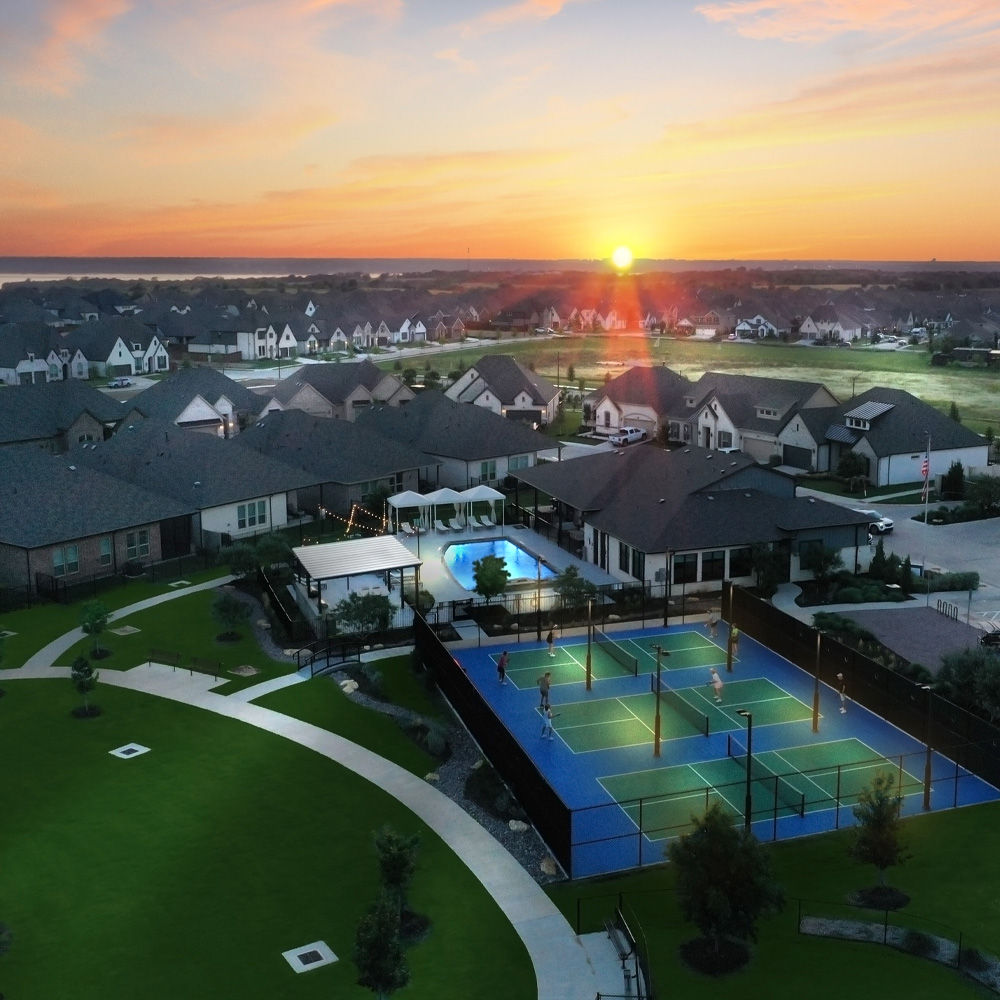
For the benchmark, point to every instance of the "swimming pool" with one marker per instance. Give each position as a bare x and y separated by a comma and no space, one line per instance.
521,565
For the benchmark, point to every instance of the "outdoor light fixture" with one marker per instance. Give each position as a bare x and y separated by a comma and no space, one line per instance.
748,802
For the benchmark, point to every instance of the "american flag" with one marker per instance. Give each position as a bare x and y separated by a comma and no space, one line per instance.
925,466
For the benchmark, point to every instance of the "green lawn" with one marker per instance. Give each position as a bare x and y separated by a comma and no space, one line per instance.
37,626
184,626
187,871
952,852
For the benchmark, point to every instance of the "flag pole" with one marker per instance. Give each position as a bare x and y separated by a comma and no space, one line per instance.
927,523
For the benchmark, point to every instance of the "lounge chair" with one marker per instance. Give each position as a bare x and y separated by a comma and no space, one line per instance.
439,525
486,521
456,525
407,528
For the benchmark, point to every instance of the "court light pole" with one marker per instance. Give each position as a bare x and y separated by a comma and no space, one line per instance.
590,630
748,802
659,688
819,639
927,740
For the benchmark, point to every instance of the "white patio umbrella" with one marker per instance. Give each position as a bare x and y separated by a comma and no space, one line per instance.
479,493
445,495
408,498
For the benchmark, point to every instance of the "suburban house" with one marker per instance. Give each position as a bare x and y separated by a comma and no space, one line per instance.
339,391
352,464
641,397
890,428
827,322
747,413
689,518
200,399
468,445
55,416
119,345
505,386
229,497
34,352
65,522
755,328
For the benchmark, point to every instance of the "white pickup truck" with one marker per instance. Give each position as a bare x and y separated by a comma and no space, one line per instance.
627,435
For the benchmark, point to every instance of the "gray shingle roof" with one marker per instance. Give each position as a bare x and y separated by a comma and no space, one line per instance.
337,451
167,399
47,409
334,382
47,501
199,470
659,388
507,377
436,425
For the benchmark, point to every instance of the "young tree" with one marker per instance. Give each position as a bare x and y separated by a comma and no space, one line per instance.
364,613
573,588
877,567
953,413
768,566
94,617
491,575
983,493
724,880
273,550
877,837
241,559
397,862
852,465
378,953
84,678
953,482
230,612
824,563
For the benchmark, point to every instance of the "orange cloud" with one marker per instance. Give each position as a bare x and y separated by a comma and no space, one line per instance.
504,17
72,27
816,20
455,57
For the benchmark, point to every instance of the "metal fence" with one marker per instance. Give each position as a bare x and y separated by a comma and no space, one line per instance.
969,740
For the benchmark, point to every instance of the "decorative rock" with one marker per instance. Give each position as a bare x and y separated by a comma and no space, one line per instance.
263,623
349,686
548,866
433,776
614,618
479,763
518,826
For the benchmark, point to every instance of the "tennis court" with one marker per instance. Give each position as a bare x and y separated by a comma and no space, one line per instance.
624,800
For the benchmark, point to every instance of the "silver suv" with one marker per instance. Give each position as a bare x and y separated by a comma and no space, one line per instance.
879,525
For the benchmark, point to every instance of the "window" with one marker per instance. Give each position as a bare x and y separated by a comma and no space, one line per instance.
487,471
66,560
724,439
687,432
251,514
105,551
740,562
638,564
54,371
713,565
623,556
136,347
79,370
84,437
137,544
518,462
686,567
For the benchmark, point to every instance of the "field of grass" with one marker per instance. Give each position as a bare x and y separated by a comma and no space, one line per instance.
975,390
185,872
944,877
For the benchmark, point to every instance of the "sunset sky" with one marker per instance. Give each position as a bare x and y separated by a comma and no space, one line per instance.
859,129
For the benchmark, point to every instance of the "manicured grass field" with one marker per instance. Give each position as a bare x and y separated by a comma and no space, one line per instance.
946,877
185,872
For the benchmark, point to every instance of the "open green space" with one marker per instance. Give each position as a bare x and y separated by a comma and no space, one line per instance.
843,372
945,877
185,872
184,626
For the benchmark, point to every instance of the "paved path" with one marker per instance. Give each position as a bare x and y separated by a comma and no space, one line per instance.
567,967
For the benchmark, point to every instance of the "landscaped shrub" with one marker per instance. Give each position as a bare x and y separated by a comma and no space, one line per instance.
973,960
920,944
849,595
370,680
484,787
953,581
438,740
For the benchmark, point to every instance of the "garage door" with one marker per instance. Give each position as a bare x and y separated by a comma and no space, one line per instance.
800,458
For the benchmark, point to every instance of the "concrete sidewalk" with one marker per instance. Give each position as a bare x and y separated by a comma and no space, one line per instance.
567,967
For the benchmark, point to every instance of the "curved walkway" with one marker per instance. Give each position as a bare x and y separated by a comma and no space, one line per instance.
567,967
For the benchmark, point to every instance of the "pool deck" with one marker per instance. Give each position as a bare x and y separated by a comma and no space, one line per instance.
435,577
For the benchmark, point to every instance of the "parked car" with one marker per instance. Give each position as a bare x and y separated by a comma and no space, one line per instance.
990,639
879,525
120,383
627,435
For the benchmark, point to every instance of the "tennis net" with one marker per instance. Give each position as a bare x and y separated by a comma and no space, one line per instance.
690,714
603,641
784,791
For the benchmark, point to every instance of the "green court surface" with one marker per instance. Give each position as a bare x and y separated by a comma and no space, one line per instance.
628,720
569,665
661,801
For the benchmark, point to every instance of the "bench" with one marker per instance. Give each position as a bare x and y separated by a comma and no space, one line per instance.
621,936
164,657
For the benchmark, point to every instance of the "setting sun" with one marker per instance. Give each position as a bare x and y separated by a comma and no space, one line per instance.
622,258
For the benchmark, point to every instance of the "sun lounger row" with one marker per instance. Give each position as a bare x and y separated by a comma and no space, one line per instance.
452,524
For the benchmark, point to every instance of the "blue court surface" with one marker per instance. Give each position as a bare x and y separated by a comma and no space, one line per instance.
627,803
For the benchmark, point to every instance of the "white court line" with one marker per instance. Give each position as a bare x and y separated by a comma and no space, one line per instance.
708,784
795,770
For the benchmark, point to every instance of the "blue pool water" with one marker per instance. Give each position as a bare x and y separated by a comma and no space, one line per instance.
520,564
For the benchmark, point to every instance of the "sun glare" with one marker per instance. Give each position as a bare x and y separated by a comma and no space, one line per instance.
622,258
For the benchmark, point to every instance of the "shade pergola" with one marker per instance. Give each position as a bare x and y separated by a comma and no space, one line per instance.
335,560
484,493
